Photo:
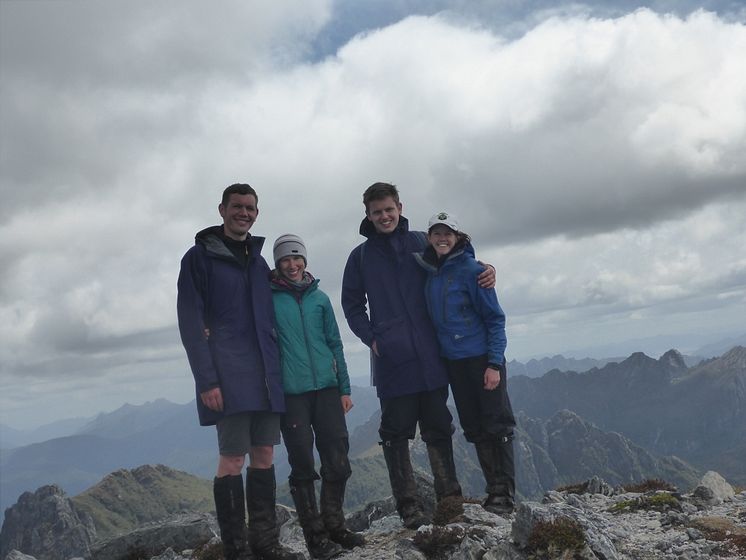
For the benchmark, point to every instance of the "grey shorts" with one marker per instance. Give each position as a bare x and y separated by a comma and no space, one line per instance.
237,433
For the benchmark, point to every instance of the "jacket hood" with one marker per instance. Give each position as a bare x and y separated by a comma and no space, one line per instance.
429,260
211,239
367,229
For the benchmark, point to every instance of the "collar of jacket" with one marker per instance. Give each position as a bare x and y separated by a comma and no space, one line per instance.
210,238
428,259
367,229
281,284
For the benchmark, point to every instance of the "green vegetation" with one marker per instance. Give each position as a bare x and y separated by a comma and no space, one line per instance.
649,485
659,501
126,499
560,538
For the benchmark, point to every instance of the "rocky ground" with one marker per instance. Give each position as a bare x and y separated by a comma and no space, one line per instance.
588,521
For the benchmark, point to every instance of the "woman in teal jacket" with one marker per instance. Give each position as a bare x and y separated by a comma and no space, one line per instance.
471,332
317,397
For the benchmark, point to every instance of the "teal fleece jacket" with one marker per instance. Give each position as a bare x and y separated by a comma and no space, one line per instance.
311,351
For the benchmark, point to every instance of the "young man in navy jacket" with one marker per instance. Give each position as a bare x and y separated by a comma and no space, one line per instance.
383,299
227,326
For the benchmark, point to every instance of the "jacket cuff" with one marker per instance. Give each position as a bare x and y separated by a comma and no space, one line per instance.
498,367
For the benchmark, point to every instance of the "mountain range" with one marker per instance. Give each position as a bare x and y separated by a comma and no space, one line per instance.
628,420
697,414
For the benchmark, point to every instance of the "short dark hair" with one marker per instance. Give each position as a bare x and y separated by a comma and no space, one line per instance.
379,191
238,188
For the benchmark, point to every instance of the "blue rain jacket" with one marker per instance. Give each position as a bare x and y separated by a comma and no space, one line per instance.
468,319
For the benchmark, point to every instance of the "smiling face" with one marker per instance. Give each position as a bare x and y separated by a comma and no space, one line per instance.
292,268
239,214
384,214
442,238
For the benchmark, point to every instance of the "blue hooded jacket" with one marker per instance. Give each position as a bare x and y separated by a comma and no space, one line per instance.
468,319
383,298
234,302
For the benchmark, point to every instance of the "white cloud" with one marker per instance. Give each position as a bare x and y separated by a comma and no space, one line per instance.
597,162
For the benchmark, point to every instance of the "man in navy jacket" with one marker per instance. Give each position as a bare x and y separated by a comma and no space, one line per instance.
408,372
226,321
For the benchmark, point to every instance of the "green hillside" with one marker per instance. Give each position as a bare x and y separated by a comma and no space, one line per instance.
125,499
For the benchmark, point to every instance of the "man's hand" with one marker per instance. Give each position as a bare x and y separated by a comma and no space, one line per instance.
487,278
374,346
491,379
346,403
213,399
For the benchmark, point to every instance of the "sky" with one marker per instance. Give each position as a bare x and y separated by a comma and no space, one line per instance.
595,152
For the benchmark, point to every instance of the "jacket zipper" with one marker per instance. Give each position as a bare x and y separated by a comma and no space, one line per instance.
308,347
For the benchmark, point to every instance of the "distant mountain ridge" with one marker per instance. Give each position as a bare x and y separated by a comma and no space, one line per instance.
538,367
698,414
158,432
660,406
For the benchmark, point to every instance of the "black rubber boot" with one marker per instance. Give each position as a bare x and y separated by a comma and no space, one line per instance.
263,530
440,454
317,539
403,485
496,458
229,507
332,499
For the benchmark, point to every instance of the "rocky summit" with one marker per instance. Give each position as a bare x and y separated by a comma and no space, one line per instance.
591,520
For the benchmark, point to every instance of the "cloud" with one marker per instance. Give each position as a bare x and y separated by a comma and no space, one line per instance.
675,277
619,139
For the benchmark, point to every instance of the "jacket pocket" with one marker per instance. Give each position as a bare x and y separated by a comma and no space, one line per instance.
394,341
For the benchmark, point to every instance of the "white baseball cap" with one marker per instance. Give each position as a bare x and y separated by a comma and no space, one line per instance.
444,218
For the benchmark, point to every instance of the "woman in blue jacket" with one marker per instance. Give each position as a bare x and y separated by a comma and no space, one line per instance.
317,397
471,332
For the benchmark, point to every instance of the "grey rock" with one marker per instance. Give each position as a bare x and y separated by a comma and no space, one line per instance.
552,497
181,532
672,518
595,527
364,518
15,555
405,550
46,524
386,525
575,501
713,489
475,514
598,486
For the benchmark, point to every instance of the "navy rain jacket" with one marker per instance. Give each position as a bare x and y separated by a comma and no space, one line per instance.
235,303
383,274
